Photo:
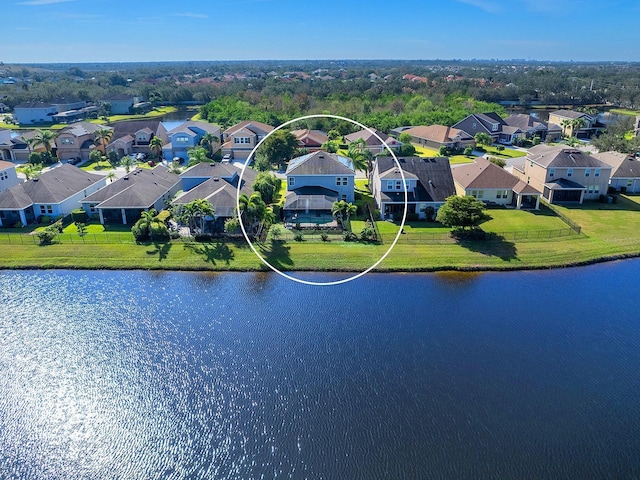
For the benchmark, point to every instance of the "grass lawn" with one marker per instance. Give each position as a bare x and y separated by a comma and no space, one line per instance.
506,153
92,166
624,111
511,220
458,159
424,151
156,112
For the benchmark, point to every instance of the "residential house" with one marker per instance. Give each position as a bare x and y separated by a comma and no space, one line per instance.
533,127
564,174
218,184
314,182
132,137
34,112
312,140
240,139
374,140
490,123
625,173
6,145
13,147
186,136
8,176
493,184
123,103
436,136
428,183
567,119
124,200
55,193
77,140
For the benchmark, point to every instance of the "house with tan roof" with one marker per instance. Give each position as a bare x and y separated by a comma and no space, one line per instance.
436,136
564,174
124,200
312,140
625,173
373,138
428,182
77,140
492,184
55,193
240,139
134,136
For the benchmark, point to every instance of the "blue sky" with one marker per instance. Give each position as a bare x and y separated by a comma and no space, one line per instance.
156,30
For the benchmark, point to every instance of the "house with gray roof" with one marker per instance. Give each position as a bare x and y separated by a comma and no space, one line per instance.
124,200
625,174
490,123
188,135
34,112
492,184
374,144
218,184
314,182
134,136
564,174
55,193
566,120
77,140
122,103
428,183
534,127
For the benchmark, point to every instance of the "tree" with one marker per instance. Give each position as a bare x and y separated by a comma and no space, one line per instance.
334,135
126,162
330,146
195,213
197,155
343,211
174,167
361,155
105,109
267,184
498,161
443,151
254,213
112,158
483,139
95,156
111,176
155,145
150,226
102,137
462,213
44,138
81,229
208,141
279,148
468,151
618,137
407,149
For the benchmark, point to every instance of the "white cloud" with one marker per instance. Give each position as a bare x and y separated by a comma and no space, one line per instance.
192,15
44,2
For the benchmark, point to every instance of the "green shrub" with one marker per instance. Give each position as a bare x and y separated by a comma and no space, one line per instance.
45,219
79,215
140,231
163,216
324,236
377,215
349,237
46,236
412,217
298,236
368,233
159,231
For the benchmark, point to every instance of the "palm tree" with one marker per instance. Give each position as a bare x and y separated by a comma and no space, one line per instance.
102,137
126,162
361,155
44,138
196,211
343,211
149,220
155,145
208,140
197,155
483,138
111,176
254,213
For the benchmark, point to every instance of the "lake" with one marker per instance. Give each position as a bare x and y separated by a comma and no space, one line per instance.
137,375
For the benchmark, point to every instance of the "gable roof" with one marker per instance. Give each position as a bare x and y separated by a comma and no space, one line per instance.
34,104
52,187
623,165
368,137
117,97
191,127
219,192
307,136
257,128
435,182
320,163
554,156
525,122
137,189
438,133
6,165
572,114
483,174
211,169
130,127
83,128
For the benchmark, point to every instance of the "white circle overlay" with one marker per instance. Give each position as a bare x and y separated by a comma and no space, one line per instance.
353,277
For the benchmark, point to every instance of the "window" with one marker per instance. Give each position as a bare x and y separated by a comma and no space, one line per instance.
596,173
292,181
590,189
596,189
242,140
341,181
46,209
398,184
531,164
569,172
494,127
480,194
474,126
629,182
587,172
344,197
552,172
337,180
3,175
477,193
389,184
92,207
181,140
66,140
502,194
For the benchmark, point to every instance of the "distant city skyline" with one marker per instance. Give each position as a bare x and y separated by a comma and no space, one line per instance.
76,31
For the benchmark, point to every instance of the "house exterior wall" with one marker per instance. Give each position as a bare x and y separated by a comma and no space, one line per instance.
8,178
68,146
31,116
631,185
65,207
120,107
326,181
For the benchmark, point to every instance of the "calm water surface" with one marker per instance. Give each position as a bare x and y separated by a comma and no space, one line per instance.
142,375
